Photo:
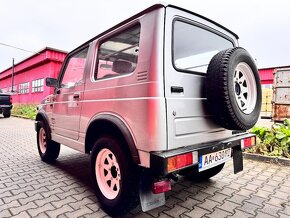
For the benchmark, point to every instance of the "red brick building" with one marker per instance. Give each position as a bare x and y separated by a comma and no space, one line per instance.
29,76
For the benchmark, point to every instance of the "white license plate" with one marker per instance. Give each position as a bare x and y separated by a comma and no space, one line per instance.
207,161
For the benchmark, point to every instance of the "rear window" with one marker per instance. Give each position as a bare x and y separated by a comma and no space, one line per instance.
194,47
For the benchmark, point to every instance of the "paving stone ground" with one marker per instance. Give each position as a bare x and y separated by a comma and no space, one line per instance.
31,188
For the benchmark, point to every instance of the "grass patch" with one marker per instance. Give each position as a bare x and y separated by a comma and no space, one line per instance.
25,110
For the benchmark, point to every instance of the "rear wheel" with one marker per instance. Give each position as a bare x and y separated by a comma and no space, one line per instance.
6,113
204,175
47,149
115,177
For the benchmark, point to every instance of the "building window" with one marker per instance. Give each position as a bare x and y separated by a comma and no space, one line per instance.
37,85
23,88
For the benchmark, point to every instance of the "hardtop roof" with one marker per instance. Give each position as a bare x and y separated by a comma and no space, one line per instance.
147,10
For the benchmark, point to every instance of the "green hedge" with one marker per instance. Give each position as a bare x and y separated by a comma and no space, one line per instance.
272,142
25,110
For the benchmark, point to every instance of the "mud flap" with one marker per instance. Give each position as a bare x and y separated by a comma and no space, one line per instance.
148,199
238,160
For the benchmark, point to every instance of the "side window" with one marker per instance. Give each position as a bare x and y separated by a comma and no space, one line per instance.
118,55
74,70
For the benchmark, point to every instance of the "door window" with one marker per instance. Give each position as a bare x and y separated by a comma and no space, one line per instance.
74,71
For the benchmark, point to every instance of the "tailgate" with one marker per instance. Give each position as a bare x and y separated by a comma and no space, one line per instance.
188,50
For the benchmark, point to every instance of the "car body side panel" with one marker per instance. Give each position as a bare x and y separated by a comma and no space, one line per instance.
138,98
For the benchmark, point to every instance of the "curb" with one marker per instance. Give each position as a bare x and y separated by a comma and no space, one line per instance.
262,158
19,116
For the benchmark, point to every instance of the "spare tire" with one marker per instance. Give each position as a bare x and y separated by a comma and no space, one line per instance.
233,89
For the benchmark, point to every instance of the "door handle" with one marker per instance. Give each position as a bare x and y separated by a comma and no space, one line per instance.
76,95
177,89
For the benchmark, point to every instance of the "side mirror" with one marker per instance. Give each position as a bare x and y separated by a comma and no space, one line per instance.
51,82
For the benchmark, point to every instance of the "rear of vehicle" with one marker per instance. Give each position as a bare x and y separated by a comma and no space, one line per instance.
208,112
5,104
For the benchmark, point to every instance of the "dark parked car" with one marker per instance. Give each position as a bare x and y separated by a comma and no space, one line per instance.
5,104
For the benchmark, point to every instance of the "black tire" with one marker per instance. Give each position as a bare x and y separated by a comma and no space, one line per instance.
6,113
48,151
204,175
116,201
234,97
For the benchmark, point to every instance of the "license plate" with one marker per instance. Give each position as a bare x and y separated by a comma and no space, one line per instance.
208,161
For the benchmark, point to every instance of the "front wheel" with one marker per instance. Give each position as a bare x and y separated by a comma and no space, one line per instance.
115,177
47,148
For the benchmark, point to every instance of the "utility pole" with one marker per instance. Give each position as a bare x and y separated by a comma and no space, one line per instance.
12,75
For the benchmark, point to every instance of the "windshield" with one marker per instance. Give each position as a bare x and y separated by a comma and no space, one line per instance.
194,47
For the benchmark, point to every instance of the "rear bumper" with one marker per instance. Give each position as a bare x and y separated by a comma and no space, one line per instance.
6,106
159,160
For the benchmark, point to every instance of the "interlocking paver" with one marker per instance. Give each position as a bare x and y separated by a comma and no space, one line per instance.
263,215
189,203
17,210
283,215
36,211
208,204
249,208
43,201
276,202
157,211
31,188
218,197
5,213
229,206
240,214
286,209
176,211
14,197
227,191
59,211
218,213
197,212
256,200
281,195
79,212
270,210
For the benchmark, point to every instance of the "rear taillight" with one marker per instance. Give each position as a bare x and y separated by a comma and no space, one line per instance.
181,161
248,142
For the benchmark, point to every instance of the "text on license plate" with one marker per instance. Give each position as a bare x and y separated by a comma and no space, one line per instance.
207,161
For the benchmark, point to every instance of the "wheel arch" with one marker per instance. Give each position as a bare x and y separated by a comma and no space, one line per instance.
110,124
41,116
